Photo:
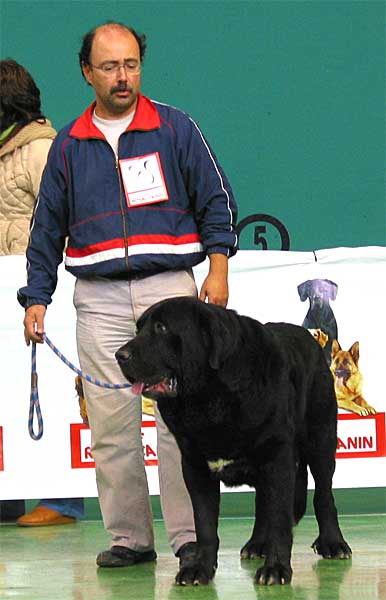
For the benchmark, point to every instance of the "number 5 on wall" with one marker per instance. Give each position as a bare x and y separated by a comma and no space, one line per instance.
259,239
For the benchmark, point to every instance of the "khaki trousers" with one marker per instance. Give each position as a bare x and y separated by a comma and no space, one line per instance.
107,311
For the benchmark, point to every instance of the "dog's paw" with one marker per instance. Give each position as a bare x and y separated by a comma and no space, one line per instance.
333,549
253,549
276,574
195,574
367,410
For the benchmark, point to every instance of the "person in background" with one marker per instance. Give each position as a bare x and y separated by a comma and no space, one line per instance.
138,191
25,139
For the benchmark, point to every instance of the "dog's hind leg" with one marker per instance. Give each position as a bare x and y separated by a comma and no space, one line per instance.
321,456
300,502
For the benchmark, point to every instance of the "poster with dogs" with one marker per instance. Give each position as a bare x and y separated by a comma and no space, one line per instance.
338,295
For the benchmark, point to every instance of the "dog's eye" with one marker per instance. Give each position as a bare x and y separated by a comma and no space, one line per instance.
160,327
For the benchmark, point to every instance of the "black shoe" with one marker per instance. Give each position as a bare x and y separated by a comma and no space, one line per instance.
120,556
187,554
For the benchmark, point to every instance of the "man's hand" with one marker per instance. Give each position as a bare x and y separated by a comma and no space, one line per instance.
34,323
215,286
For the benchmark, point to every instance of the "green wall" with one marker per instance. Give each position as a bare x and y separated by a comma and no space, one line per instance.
290,94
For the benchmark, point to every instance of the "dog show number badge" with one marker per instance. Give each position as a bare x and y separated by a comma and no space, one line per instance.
143,180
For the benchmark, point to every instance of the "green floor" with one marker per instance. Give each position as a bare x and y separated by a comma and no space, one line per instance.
58,563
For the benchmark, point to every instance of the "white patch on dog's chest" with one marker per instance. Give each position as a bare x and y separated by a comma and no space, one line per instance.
218,465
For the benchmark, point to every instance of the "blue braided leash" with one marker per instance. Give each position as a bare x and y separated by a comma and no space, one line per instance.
34,398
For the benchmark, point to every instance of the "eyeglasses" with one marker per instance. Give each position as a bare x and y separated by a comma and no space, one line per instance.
111,68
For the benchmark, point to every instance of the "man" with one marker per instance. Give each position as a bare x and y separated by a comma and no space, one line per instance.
139,194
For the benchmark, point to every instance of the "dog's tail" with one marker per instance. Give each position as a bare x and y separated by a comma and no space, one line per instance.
300,501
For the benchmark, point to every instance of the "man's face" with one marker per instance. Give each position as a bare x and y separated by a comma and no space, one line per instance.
116,91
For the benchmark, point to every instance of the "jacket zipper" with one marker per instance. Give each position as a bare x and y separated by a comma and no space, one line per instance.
121,203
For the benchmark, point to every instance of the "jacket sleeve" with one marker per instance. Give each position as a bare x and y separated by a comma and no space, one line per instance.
209,190
49,228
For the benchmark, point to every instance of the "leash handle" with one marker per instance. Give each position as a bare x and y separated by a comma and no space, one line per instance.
34,405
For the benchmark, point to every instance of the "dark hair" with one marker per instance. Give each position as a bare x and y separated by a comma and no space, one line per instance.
19,95
87,40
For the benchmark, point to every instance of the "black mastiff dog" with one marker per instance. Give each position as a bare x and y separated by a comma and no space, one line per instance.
248,404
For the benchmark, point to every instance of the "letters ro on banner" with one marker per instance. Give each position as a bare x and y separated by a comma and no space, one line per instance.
81,457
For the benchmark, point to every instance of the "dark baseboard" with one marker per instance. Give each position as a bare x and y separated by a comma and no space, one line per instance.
349,501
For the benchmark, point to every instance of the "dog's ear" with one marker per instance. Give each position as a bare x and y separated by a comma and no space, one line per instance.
335,347
332,289
304,290
354,351
221,337
320,336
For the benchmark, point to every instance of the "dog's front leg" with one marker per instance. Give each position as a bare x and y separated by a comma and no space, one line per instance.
278,480
255,546
205,496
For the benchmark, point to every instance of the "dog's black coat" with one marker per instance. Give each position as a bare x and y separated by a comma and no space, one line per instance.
248,404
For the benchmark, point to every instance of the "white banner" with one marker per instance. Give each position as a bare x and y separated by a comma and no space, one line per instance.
267,285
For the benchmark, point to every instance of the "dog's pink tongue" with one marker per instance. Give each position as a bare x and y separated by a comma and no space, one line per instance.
137,388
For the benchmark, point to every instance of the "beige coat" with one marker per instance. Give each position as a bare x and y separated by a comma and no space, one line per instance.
22,160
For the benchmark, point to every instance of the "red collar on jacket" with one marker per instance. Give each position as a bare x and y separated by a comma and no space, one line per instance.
146,118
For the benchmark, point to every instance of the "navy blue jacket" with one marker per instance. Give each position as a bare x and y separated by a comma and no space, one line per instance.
85,198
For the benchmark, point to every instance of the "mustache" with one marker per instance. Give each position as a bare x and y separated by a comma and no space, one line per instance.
122,87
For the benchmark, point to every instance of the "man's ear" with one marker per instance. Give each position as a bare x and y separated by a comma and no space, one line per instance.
87,72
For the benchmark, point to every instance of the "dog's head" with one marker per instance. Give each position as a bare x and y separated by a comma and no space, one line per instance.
344,363
178,341
319,291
